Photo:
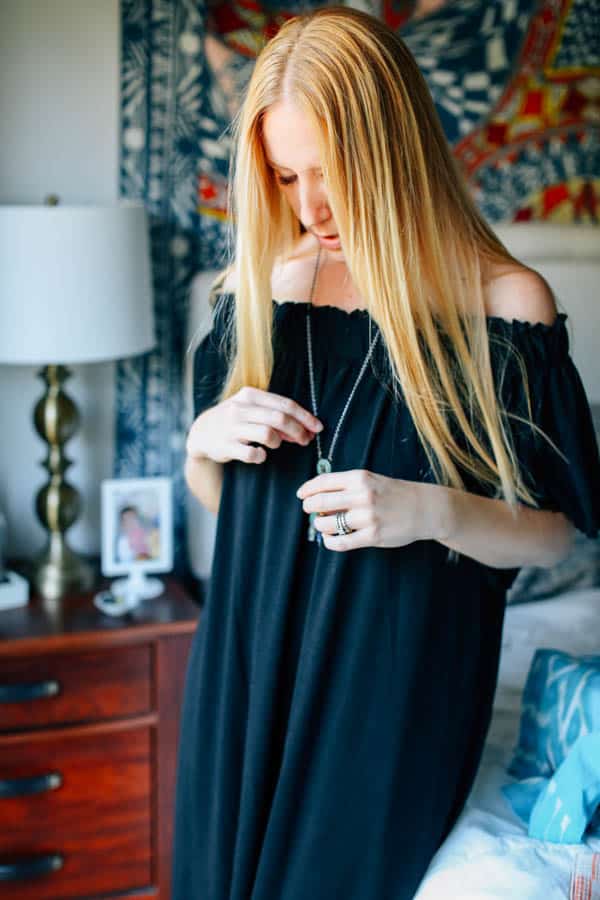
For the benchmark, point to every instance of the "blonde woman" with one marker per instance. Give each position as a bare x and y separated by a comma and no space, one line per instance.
389,425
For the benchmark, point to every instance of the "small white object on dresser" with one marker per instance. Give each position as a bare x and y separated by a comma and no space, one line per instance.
14,590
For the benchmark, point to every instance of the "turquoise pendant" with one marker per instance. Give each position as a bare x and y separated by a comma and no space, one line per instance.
323,465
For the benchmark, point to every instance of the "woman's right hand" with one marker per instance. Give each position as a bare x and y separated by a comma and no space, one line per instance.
224,432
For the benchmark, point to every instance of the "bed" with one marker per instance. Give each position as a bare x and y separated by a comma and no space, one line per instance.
488,854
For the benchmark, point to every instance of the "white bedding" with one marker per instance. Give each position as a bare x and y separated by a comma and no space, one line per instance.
488,854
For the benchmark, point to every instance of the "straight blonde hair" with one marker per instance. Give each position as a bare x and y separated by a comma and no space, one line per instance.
412,236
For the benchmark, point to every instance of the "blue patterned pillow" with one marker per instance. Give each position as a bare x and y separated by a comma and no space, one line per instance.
561,701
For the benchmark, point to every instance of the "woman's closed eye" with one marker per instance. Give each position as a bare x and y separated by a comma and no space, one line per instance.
289,179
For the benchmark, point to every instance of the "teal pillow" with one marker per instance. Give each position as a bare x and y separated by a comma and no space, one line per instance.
562,808
568,803
561,701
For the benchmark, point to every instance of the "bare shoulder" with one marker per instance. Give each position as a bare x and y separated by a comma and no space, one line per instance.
286,272
520,293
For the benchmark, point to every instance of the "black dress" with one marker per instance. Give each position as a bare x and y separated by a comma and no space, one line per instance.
336,703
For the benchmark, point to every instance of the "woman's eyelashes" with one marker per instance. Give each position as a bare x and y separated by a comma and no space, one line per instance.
286,180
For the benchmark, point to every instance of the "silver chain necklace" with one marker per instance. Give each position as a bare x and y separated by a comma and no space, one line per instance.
324,462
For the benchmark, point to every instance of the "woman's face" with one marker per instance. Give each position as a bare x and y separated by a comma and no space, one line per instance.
292,151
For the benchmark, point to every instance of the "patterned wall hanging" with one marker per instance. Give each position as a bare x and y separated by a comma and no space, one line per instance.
516,85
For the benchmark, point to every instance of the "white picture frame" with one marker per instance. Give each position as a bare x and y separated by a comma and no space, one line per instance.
137,531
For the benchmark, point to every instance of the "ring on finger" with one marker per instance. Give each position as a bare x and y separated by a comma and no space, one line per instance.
342,524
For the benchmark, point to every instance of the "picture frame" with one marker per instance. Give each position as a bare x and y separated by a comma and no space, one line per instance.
137,533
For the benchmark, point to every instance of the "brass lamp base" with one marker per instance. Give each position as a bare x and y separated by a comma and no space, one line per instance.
58,570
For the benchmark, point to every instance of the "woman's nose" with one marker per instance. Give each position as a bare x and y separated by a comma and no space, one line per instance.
313,205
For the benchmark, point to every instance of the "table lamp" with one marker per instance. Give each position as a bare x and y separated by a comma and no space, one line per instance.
75,287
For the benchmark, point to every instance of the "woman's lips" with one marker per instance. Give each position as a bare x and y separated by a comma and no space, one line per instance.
329,240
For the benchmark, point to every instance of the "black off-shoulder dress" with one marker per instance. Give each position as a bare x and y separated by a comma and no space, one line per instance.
336,703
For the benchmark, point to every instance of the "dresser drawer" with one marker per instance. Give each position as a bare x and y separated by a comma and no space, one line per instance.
87,686
76,808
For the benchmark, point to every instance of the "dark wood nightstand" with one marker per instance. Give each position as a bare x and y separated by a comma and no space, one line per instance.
89,723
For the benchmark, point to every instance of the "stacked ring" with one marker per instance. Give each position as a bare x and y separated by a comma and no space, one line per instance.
342,525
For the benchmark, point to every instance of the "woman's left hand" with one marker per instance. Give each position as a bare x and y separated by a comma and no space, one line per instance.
382,511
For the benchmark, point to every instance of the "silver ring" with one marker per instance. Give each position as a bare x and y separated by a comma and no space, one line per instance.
342,525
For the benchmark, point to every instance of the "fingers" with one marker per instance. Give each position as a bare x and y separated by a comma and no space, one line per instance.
363,531
284,405
326,505
329,502
267,435
230,429
327,524
248,454
272,435
277,417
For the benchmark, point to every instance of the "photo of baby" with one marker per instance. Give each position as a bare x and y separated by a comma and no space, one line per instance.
137,532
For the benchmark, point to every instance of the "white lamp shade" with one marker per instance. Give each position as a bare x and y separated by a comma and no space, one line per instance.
75,284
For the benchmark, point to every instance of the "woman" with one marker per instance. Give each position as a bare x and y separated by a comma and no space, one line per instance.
389,424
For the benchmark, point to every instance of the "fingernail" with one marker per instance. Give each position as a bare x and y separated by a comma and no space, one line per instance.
319,426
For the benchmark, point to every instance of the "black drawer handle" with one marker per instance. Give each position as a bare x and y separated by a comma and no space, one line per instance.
16,693
35,784
31,868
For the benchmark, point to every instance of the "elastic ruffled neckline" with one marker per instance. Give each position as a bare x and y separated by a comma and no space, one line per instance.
347,333
350,325
494,321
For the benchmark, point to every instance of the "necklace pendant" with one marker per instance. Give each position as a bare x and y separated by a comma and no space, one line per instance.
323,465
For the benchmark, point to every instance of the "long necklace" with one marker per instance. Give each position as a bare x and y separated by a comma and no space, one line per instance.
324,462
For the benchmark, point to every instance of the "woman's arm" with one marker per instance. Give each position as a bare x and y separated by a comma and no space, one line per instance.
204,478
391,512
485,529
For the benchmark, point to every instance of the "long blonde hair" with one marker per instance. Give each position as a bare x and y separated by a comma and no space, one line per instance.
413,238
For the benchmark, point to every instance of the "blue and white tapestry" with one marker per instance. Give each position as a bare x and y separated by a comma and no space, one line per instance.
513,81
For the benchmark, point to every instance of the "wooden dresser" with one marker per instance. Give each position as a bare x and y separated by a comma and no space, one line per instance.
89,721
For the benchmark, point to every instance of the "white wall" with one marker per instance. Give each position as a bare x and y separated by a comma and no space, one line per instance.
59,109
